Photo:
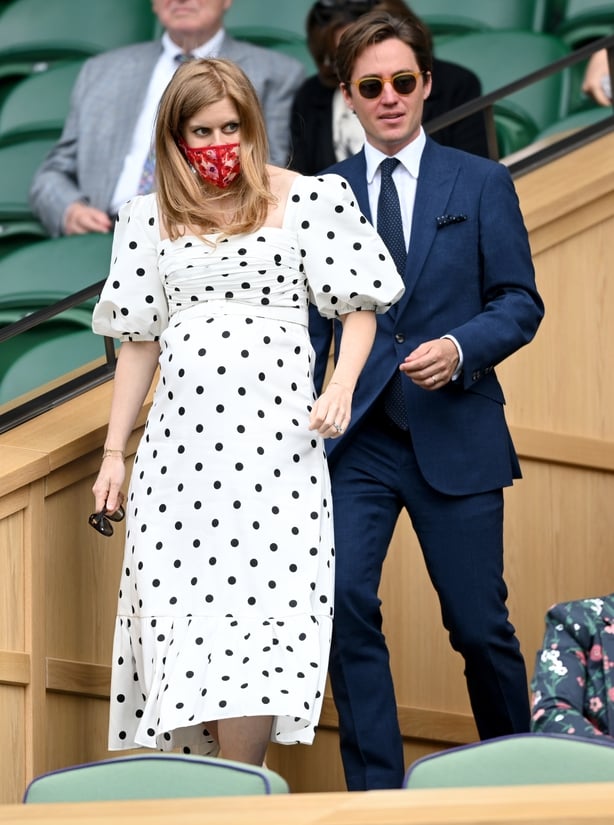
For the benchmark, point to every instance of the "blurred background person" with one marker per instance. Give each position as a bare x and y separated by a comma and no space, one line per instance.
596,81
325,131
105,155
573,683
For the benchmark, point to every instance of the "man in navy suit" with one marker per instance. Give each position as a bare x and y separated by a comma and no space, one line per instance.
441,448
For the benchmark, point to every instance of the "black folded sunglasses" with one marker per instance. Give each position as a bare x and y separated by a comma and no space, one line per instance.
102,521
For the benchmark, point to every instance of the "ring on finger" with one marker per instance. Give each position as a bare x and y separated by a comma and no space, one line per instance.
433,379
338,427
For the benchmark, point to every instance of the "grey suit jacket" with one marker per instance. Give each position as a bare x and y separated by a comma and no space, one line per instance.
86,162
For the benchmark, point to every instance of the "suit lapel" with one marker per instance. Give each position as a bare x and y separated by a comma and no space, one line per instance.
437,176
435,183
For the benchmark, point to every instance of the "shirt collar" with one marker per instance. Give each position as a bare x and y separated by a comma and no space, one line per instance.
409,156
209,49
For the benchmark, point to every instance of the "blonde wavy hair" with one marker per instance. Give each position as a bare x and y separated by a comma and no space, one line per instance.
184,199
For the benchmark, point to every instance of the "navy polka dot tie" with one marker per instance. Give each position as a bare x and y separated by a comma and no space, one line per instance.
390,228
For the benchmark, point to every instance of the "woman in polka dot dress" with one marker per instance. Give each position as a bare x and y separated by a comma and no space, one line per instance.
225,603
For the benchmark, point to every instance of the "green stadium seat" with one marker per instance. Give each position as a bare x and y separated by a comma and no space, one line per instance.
154,776
39,274
288,15
37,105
448,18
501,57
34,33
45,353
18,163
279,40
585,20
521,759
578,120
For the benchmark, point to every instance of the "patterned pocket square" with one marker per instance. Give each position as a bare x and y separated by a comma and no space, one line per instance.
446,220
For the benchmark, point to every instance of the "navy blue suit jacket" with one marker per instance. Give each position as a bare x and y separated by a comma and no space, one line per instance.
469,273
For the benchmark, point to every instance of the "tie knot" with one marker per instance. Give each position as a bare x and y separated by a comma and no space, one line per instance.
387,166
183,57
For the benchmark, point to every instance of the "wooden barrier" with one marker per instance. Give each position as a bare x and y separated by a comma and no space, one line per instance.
58,578
520,805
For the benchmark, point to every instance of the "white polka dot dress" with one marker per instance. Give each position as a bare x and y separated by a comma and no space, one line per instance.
226,594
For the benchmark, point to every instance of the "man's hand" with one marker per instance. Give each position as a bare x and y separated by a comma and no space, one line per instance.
432,364
81,218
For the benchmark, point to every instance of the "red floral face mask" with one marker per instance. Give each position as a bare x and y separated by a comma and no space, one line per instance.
218,165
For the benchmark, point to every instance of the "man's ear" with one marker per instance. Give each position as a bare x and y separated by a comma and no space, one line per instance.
347,96
428,85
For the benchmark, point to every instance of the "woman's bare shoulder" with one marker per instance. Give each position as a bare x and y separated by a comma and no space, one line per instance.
281,180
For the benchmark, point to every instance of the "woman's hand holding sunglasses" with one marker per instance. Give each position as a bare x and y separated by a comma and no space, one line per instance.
101,521
108,494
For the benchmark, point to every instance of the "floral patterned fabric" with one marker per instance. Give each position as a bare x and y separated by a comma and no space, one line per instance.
573,684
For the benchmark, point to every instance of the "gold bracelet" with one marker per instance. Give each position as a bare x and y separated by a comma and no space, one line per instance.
340,385
106,453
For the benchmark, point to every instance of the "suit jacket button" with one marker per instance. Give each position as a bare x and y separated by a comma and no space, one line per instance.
399,338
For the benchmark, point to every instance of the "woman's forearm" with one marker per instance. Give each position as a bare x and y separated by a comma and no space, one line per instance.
136,365
354,348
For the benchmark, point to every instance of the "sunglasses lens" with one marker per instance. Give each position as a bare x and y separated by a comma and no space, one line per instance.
118,515
370,87
101,523
404,84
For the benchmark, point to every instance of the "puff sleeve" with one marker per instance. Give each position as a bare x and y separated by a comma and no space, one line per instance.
133,305
347,265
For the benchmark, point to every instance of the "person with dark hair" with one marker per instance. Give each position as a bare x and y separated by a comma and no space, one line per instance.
226,603
428,432
324,130
573,682
104,156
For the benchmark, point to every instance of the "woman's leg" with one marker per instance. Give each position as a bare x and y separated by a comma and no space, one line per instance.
245,738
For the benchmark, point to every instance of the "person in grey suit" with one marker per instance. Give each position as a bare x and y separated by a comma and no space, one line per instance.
101,158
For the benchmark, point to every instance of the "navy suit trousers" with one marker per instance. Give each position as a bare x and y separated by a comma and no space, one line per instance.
462,541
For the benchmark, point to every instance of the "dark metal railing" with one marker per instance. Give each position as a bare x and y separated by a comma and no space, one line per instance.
11,416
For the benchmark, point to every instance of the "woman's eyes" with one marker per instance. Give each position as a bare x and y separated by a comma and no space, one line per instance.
227,129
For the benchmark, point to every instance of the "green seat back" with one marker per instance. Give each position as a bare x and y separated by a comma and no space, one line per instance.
44,30
40,273
525,759
38,104
154,776
279,40
47,352
288,14
575,121
585,20
501,57
18,163
451,18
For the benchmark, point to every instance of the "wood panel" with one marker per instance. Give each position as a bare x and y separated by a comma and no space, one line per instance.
570,804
